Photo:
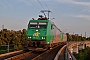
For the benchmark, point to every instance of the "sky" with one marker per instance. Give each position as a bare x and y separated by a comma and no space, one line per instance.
71,16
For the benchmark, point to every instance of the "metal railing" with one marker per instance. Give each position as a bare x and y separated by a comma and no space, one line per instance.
6,48
69,55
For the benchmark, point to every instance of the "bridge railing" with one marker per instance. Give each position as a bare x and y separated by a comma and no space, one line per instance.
69,55
6,48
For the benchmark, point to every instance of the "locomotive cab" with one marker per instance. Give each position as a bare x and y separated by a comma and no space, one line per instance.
36,34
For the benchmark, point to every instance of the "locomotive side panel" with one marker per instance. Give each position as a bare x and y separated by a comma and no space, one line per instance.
57,35
48,34
65,38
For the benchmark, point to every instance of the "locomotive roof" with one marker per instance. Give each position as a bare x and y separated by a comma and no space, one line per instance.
39,21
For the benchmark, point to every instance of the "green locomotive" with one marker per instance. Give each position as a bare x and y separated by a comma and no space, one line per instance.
43,33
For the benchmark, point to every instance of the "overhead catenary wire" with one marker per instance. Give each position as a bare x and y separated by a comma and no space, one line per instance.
46,4
47,8
33,4
40,4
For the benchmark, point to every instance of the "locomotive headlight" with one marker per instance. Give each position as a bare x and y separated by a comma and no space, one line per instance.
42,37
36,30
48,42
30,37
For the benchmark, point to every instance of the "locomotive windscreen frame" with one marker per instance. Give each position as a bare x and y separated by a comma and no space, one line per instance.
38,25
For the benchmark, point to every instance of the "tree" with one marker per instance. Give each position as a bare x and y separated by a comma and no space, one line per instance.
83,54
13,37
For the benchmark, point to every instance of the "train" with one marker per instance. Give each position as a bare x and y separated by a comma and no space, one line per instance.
42,33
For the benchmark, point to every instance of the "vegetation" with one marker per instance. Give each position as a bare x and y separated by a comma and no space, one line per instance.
17,38
13,37
76,37
83,54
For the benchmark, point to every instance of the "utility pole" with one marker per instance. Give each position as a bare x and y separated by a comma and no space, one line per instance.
85,34
81,35
73,33
2,27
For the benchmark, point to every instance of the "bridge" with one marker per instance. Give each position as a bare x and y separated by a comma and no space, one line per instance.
70,48
64,53
74,47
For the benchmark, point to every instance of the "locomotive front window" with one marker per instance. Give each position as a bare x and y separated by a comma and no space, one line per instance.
43,25
33,25
38,25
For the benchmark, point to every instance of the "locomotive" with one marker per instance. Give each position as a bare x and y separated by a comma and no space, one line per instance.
43,33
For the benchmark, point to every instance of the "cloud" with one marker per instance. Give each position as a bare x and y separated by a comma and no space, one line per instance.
75,2
84,10
82,3
82,16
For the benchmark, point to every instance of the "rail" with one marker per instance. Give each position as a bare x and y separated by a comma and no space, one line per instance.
59,53
48,54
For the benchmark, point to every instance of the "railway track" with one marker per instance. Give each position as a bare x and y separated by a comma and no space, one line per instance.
15,55
20,55
7,55
47,55
32,55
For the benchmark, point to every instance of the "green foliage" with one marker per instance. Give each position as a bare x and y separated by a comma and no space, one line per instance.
75,37
83,54
13,37
88,38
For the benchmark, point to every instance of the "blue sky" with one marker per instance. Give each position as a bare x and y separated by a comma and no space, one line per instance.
70,15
